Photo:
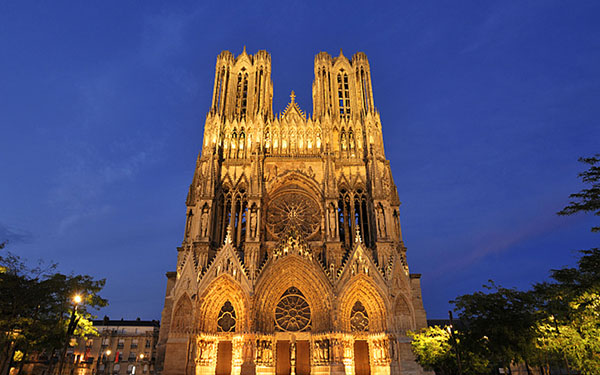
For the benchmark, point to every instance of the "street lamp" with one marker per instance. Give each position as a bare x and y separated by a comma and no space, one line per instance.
455,342
70,329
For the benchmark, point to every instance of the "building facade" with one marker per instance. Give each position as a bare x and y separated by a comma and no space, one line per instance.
292,260
122,347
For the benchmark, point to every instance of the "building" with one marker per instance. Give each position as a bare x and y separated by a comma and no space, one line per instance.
292,258
122,347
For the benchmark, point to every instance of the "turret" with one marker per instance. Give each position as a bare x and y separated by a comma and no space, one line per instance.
243,89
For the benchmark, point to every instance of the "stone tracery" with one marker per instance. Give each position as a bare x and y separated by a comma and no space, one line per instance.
287,203
292,313
293,210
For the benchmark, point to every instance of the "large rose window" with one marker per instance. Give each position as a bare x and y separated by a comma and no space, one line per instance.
293,210
292,312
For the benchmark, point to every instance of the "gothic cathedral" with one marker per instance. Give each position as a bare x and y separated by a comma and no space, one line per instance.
292,260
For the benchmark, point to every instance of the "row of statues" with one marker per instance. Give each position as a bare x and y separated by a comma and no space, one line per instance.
325,351
253,222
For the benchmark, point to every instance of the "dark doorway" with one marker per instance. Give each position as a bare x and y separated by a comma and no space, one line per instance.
283,365
224,358
361,358
302,358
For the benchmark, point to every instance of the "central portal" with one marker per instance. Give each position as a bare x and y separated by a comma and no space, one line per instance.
284,362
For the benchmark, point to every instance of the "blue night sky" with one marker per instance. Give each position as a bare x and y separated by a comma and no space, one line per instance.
485,106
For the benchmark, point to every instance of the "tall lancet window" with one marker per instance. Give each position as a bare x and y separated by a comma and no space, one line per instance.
258,88
219,89
365,90
241,99
325,90
343,94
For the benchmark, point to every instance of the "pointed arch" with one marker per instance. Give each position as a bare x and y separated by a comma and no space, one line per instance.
182,315
307,277
221,290
403,314
362,288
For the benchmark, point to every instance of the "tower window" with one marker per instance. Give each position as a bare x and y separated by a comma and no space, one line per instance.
343,94
241,99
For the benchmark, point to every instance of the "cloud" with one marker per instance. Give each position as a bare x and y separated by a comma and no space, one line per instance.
14,235
500,240
81,189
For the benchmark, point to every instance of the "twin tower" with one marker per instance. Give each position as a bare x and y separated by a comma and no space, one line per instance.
292,260
243,88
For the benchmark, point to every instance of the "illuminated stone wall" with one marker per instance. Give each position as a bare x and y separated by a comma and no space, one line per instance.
292,234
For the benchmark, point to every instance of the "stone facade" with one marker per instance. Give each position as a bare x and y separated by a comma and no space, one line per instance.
292,259
122,347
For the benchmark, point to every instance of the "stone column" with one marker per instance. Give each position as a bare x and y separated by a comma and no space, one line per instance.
237,355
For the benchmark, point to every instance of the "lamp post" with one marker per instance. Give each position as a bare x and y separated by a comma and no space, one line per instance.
107,362
70,329
102,357
455,342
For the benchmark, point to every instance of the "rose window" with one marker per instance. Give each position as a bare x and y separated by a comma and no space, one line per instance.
292,312
293,210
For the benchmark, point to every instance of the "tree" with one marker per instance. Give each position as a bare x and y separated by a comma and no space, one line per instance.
432,349
36,307
435,349
578,339
569,307
587,200
505,319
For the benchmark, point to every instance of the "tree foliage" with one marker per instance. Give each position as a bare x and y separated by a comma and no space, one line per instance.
435,348
587,200
432,349
36,306
503,320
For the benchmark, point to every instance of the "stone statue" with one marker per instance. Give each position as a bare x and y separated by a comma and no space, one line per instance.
332,221
188,224
380,222
204,222
253,223
268,352
292,351
317,355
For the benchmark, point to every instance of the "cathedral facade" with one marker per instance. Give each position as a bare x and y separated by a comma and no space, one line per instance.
292,260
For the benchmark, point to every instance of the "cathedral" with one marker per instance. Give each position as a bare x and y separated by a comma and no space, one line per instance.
292,259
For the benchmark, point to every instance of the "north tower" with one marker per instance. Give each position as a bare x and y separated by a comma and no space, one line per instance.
292,259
